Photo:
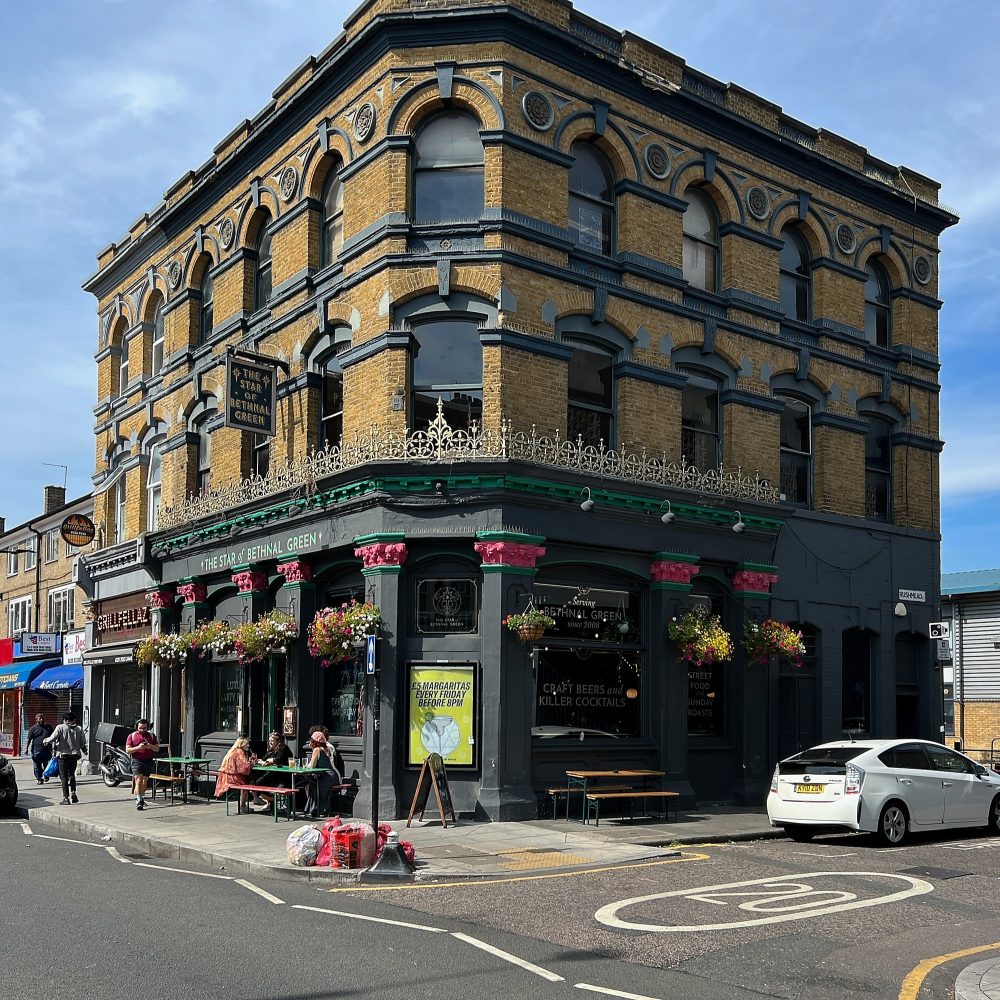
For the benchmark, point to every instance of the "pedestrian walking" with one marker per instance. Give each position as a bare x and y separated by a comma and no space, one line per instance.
35,747
69,744
141,746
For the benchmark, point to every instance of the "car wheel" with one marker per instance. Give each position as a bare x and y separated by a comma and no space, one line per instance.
993,823
800,834
892,825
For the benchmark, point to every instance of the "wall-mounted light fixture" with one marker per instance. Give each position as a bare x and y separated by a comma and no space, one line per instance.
739,525
588,505
667,517
900,610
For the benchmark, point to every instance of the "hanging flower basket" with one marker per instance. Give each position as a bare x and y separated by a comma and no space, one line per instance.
529,625
772,638
337,634
271,633
701,638
168,649
214,637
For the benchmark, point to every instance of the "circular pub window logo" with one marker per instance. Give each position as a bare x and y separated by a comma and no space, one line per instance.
78,530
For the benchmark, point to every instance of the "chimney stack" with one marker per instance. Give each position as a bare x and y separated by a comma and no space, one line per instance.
55,497
3,525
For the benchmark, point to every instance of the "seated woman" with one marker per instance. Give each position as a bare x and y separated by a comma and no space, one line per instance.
321,756
234,771
278,754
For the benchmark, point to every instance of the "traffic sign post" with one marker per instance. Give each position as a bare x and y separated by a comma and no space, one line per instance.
939,630
371,646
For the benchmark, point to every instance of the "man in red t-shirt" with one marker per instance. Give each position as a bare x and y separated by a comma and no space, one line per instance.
140,746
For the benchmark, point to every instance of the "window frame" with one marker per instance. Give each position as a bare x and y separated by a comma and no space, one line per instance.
120,509
335,419
588,345
442,388
873,472
13,560
440,170
604,205
67,595
154,488
696,196
123,368
206,311
159,340
263,267
203,478
799,279
332,221
699,379
260,454
784,449
52,545
877,308
30,553
19,608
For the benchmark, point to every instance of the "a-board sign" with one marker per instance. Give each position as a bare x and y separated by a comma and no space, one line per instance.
433,775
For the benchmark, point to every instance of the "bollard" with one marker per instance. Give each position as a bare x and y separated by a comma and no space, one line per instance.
392,863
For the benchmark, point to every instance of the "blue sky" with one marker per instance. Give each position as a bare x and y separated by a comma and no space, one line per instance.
104,103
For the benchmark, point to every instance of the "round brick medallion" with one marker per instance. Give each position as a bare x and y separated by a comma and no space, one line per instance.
758,202
364,122
226,233
922,269
288,182
174,274
657,160
537,110
847,239
446,244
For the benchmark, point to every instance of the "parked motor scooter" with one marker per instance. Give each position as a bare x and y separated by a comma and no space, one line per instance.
116,766
8,785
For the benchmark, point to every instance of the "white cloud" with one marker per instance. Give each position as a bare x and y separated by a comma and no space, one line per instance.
128,93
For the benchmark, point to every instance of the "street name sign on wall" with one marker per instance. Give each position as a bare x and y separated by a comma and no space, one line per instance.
251,395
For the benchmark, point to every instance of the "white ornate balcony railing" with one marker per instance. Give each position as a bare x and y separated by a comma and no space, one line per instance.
440,443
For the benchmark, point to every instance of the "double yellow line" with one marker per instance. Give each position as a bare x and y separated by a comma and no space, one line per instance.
914,981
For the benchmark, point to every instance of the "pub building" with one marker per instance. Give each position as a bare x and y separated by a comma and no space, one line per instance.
520,311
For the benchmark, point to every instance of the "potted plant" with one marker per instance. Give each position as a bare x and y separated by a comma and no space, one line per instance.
772,638
529,625
271,633
168,649
336,634
700,636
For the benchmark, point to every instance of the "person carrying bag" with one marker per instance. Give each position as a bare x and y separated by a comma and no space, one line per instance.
69,744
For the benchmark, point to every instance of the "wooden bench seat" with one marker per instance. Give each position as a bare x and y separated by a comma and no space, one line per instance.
163,782
555,794
595,798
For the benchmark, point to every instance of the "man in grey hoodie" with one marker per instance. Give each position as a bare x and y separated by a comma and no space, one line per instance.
68,743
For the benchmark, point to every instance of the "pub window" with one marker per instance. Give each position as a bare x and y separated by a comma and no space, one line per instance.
262,275
331,407
206,314
448,366
878,470
878,307
204,459
61,610
591,199
343,682
123,368
794,276
701,242
700,440
120,499
229,677
333,216
159,338
448,170
260,455
590,402
707,688
154,486
857,668
796,451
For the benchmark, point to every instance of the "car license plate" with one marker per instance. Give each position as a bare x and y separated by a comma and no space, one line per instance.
809,789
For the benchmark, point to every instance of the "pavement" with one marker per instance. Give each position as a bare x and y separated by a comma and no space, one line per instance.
200,833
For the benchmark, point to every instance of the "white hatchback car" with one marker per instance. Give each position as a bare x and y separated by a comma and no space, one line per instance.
885,787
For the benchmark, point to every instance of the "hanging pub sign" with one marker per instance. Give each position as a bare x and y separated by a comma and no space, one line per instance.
594,614
78,530
251,395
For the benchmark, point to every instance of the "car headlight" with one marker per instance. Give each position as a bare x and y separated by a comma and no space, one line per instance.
6,767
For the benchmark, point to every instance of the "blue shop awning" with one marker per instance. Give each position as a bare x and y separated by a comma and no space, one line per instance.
59,678
16,674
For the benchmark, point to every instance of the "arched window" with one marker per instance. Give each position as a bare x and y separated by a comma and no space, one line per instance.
154,476
206,317
878,307
591,199
123,368
700,421
796,451
793,264
333,217
260,455
120,499
590,403
878,470
701,242
204,480
448,365
448,170
159,337
262,275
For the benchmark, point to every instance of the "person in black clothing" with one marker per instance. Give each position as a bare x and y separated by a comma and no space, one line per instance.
278,754
40,753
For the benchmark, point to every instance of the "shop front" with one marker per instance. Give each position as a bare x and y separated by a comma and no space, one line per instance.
19,703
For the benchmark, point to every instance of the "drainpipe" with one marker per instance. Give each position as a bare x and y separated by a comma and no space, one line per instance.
960,670
38,572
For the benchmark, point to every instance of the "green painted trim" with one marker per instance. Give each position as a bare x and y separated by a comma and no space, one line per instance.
757,567
509,536
602,565
504,568
380,536
299,585
682,557
382,571
684,588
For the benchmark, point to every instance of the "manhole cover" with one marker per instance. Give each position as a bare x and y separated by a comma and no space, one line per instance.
532,858
941,873
136,857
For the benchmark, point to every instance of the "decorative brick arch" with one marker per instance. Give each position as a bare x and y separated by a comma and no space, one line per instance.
253,224
811,228
894,264
720,190
613,144
336,158
424,101
153,298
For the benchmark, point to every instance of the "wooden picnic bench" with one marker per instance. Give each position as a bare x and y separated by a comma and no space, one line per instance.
158,781
594,800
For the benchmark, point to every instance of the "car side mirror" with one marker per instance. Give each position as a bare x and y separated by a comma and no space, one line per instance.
981,772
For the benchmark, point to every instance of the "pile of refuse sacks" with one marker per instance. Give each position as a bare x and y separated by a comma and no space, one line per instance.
340,844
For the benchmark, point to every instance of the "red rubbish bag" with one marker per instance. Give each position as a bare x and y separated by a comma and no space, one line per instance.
325,855
346,848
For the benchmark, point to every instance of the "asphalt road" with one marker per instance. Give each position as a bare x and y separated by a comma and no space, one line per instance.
831,920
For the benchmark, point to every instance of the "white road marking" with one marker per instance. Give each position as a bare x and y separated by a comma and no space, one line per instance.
374,920
67,840
774,897
552,977
114,853
981,845
26,830
804,854
613,993
260,892
183,871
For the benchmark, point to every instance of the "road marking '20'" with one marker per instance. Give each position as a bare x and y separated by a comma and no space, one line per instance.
786,897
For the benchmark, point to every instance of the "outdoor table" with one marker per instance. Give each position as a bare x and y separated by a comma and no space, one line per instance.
581,779
305,772
186,764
